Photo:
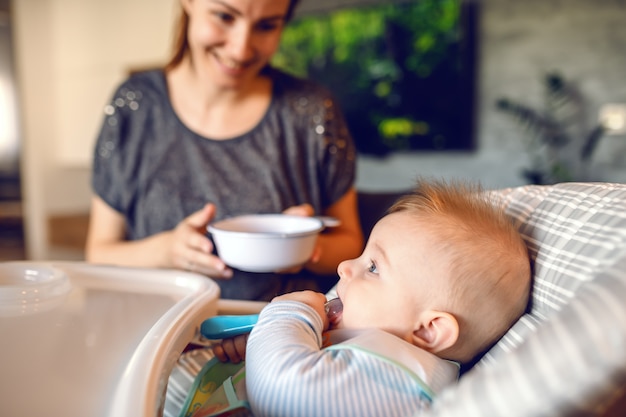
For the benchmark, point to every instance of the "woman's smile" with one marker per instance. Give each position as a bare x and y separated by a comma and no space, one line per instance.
232,67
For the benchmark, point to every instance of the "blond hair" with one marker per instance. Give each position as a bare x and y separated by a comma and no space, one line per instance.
181,43
488,265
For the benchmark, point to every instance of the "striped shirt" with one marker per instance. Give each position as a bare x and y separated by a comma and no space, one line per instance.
288,373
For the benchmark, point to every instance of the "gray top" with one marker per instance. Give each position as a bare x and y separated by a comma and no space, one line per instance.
155,171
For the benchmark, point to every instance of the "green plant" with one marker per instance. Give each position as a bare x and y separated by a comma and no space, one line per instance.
557,149
401,71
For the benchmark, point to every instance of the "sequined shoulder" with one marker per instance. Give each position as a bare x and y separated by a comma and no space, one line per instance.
303,95
136,89
131,101
314,108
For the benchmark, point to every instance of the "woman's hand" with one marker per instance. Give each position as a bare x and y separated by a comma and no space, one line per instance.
304,210
342,242
190,248
185,247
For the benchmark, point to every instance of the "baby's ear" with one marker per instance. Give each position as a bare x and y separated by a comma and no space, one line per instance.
435,331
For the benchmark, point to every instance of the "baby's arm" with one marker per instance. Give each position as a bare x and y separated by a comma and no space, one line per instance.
287,372
233,349
284,347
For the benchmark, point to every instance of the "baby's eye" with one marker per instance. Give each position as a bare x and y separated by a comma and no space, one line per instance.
372,268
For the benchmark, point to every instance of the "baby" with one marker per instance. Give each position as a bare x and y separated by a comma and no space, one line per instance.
443,276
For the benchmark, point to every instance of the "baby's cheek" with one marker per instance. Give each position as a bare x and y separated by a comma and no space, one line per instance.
351,320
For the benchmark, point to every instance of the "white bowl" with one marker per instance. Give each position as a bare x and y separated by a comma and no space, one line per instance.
265,242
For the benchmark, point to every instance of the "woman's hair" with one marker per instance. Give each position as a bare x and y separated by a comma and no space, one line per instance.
181,43
487,258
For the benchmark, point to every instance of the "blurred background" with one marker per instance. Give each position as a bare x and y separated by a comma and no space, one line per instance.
61,59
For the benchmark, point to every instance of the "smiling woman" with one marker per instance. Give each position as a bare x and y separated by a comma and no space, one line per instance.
225,45
217,133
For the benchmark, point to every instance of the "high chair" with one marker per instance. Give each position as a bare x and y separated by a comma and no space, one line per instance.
567,355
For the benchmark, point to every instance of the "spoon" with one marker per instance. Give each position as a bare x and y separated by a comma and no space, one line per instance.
329,221
223,327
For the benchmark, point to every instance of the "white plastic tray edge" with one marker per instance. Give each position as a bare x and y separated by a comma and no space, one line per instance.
133,395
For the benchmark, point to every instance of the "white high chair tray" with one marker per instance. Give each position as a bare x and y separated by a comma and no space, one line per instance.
86,340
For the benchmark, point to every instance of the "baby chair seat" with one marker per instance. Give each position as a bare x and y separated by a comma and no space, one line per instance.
567,355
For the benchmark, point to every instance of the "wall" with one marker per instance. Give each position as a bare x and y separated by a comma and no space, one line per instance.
521,40
71,53
9,145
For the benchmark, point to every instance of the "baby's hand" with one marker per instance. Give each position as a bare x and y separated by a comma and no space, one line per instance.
316,300
232,349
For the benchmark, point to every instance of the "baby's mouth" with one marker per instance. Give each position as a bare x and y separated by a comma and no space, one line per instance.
334,309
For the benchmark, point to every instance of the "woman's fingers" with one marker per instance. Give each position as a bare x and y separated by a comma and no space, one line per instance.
192,249
301,210
201,218
207,264
199,242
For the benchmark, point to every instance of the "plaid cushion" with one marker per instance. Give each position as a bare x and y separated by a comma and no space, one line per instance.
567,355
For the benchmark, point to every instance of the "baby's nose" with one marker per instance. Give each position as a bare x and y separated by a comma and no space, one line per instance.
343,270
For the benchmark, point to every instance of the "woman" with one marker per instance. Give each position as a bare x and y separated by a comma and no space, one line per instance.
218,133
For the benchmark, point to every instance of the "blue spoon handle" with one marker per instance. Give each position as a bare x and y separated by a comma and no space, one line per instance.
222,327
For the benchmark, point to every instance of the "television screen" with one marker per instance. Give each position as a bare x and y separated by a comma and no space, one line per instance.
403,72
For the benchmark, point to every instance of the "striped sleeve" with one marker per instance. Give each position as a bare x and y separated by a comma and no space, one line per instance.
288,375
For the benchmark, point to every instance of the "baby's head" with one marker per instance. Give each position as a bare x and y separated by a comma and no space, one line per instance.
444,270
